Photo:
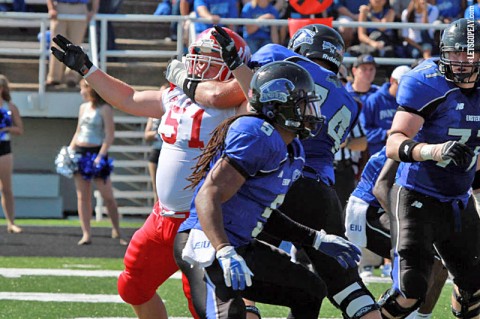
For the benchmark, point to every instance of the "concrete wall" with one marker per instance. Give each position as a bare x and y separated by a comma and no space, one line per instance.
35,151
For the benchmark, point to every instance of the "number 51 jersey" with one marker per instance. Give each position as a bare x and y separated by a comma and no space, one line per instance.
185,129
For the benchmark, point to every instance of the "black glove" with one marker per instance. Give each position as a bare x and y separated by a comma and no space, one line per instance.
459,153
72,55
229,51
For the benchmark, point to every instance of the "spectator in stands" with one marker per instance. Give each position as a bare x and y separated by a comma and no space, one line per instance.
375,41
473,11
449,10
92,139
186,8
108,7
214,10
398,6
10,123
258,35
419,43
348,11
74,30
377,113
17,5
169,7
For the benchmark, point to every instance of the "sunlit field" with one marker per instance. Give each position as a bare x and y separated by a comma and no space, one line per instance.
46,287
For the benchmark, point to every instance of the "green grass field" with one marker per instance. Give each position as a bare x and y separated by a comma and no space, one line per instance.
53,289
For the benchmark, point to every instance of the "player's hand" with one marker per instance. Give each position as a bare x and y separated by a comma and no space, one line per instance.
346,253
460,154
176,73
229,51
72,55
235,270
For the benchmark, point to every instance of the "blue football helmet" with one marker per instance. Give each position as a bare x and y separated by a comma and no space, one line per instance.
462,35
285,93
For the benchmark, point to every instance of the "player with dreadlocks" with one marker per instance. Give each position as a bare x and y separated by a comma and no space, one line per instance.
240,179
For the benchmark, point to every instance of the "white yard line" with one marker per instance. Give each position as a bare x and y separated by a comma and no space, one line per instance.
63,297
18,272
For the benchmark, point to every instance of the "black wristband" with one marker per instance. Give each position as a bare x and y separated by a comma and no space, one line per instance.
405,151
476,181
254,310
189,88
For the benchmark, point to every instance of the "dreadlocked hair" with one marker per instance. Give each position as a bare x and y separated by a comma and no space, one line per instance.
215,146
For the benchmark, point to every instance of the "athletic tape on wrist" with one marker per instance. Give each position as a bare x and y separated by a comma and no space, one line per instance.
426,152
405,151
90,71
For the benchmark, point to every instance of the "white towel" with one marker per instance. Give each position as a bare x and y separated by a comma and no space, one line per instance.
356,221
198,251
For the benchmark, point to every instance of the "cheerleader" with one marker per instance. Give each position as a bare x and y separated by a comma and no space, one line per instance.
91,141
10,124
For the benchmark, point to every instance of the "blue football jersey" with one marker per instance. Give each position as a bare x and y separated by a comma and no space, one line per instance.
449,114
377,117
258,150
364,189
338,107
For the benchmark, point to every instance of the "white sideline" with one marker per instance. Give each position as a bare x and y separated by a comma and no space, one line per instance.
18,272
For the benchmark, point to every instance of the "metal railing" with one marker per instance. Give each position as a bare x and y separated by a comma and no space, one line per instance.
99,55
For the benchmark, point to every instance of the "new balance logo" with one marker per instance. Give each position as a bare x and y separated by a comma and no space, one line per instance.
459,106
417,204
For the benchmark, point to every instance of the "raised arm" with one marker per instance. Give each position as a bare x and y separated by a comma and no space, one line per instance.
230,56
115,92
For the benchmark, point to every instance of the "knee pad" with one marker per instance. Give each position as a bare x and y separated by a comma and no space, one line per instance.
355,301
390,307
133,291
466,305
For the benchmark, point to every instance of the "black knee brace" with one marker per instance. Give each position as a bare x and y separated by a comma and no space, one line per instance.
388,303
254,310
355,301
469,304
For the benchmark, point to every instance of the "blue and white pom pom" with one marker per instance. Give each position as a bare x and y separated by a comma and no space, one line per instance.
66,162
89,170
5,120
104,168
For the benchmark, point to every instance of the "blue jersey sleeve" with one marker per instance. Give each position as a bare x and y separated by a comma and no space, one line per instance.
420,87
254,145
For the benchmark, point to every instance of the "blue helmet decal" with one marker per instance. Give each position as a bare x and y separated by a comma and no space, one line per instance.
276,90
301,37
329,46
